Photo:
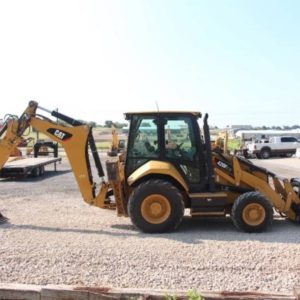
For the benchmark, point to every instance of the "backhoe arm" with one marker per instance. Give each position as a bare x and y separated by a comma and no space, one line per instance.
76,140
12,131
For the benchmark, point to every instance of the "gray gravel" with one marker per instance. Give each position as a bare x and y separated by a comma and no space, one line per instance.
55,238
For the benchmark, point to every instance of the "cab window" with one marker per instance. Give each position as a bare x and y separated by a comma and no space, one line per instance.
179,139
180,146
142,142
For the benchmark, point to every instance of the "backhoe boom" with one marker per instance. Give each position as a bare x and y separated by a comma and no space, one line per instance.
76,140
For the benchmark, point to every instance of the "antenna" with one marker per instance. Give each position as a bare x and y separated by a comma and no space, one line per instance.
157,107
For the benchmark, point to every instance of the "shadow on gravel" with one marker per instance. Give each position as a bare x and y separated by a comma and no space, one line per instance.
66,230
45,176
222,229
192,231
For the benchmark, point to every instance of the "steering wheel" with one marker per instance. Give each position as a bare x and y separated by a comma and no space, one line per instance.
149,147
178,150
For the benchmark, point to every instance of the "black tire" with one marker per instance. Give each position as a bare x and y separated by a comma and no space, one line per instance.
296,207
42,170
296,187
112,153
242,206
246,154
36,172
155,189
258,156
265,153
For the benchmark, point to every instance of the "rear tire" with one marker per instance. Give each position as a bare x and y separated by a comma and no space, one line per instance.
156,206
252,212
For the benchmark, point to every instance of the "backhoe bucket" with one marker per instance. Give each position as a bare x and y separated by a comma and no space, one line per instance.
3,219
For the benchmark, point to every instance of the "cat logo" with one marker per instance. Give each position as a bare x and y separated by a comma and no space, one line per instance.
62,135
224,166
59,134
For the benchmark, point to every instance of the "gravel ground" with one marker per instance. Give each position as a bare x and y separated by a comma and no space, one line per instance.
55,238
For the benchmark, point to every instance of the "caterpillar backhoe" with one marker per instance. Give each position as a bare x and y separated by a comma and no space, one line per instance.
168,166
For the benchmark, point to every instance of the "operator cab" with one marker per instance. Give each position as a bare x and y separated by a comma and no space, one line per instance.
172,137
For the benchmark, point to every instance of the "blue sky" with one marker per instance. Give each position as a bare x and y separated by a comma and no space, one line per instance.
237,60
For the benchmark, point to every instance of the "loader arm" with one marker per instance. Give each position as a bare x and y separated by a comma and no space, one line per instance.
76,139
278,190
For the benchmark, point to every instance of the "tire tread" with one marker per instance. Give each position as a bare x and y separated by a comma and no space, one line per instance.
245,199
160,186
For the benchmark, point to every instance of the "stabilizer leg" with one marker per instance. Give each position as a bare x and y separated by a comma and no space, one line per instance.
3,219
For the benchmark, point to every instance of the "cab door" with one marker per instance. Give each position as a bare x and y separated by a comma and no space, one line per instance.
143,142
182,146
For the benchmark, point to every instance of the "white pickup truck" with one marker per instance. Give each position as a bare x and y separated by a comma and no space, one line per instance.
275,146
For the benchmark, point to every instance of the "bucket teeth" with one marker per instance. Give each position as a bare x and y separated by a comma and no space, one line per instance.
3,219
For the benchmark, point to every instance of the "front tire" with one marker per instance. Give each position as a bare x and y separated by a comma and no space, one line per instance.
265,153
252,212
156,206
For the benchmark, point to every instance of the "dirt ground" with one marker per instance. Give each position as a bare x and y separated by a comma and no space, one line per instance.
285,167
54,237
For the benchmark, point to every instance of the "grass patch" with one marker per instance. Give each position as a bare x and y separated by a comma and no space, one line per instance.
103,145
190,295
234,144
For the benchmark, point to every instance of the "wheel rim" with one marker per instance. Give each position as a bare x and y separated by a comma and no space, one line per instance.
156,209
254,214
265,154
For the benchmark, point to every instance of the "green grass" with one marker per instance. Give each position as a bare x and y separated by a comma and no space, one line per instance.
103,145
233,144
190,295
194,295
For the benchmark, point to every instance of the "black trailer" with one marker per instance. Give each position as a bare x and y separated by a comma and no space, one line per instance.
30,166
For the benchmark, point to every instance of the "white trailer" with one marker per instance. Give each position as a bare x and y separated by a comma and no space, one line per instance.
248,135
30,166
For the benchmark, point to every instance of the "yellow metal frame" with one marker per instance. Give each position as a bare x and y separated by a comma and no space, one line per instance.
155,167
14,132
9,143
75,148
282,196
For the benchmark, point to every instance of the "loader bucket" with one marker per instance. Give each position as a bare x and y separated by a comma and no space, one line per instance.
3,219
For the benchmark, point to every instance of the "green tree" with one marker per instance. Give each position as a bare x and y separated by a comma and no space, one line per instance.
92,124
108,123
119,125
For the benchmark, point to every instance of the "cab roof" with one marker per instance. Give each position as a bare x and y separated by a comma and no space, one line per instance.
196,114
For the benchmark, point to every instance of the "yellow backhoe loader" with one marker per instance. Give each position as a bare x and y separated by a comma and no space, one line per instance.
117,144
168,167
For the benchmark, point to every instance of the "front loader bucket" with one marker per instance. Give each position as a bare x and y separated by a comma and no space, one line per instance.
3,219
